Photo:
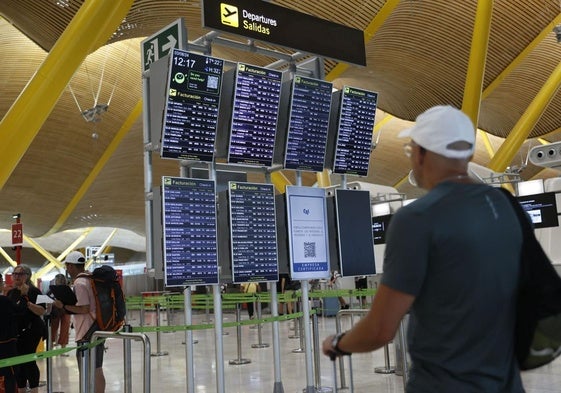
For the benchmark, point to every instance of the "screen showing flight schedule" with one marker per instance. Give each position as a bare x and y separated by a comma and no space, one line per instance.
191,108
354,132
308,124
254,115
253,232
189,222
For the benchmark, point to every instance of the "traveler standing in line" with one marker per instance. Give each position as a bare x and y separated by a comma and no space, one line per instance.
84,312
250,287
361,282
281,287
8,336
452,260
31,328
60,320
335,283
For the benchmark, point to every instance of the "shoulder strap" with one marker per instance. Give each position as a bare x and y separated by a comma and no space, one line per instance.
539,293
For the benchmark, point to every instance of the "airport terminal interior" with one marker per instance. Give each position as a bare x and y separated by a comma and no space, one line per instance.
93,93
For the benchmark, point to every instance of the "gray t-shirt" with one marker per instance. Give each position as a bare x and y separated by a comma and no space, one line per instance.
457,250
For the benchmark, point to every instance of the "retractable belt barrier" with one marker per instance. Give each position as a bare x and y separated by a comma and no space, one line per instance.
230,301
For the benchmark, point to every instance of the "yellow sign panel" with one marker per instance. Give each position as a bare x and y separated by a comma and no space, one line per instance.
229,15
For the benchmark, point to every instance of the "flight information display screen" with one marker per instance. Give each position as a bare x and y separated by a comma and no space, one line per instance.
354,132
308,124
253,232
189,222
254,115
542,209
191,108
380,227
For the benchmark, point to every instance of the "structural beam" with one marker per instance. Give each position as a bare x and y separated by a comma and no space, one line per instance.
280,181
323,179
47,268
125,128
43,252
92,25
7,257
527,121
101,248
369,32
521,57
477,58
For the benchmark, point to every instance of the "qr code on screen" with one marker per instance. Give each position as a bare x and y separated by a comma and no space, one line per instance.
309,249
212,82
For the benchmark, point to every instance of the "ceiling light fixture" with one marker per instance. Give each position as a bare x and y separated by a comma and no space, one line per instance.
557,31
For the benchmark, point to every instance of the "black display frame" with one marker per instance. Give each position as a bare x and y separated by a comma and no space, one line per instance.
542,209
262,132
199,196
354,233
255,241
191,113
318,140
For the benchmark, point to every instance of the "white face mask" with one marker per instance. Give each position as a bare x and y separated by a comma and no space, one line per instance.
412,179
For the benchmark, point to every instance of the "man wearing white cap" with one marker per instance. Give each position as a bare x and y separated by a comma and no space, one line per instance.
452,261
84,311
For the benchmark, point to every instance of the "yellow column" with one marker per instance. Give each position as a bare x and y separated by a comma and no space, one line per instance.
92,25
280,181
527,121
477,57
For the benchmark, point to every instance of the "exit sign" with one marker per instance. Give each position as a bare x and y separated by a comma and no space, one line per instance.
162,42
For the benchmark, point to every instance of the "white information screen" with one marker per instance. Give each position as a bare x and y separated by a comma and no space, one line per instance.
307,233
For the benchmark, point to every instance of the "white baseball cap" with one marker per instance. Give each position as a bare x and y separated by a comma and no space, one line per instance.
76,258
440,128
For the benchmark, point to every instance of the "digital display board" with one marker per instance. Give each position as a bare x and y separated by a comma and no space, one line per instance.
308,124
356,115
253,232
380,227
542,209
354,230
272,23
254,115
189,223
191,108
307,232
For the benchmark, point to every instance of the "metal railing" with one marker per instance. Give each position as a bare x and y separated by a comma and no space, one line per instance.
87,374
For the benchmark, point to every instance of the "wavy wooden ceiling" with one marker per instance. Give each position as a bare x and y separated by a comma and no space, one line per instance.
418,58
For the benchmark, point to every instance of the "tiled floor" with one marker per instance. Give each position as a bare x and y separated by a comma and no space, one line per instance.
168,373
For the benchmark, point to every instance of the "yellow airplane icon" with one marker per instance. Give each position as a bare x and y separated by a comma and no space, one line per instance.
229,15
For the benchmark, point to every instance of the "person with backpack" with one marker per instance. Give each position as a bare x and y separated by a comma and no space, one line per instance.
452,261
84,312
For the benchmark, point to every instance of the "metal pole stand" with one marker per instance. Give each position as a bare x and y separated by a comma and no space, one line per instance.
295,325
159,351
84,356
260,343
301,335
317,349
168,312
49,346
239,360
387,369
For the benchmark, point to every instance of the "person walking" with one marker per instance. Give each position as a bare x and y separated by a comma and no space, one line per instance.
452,262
